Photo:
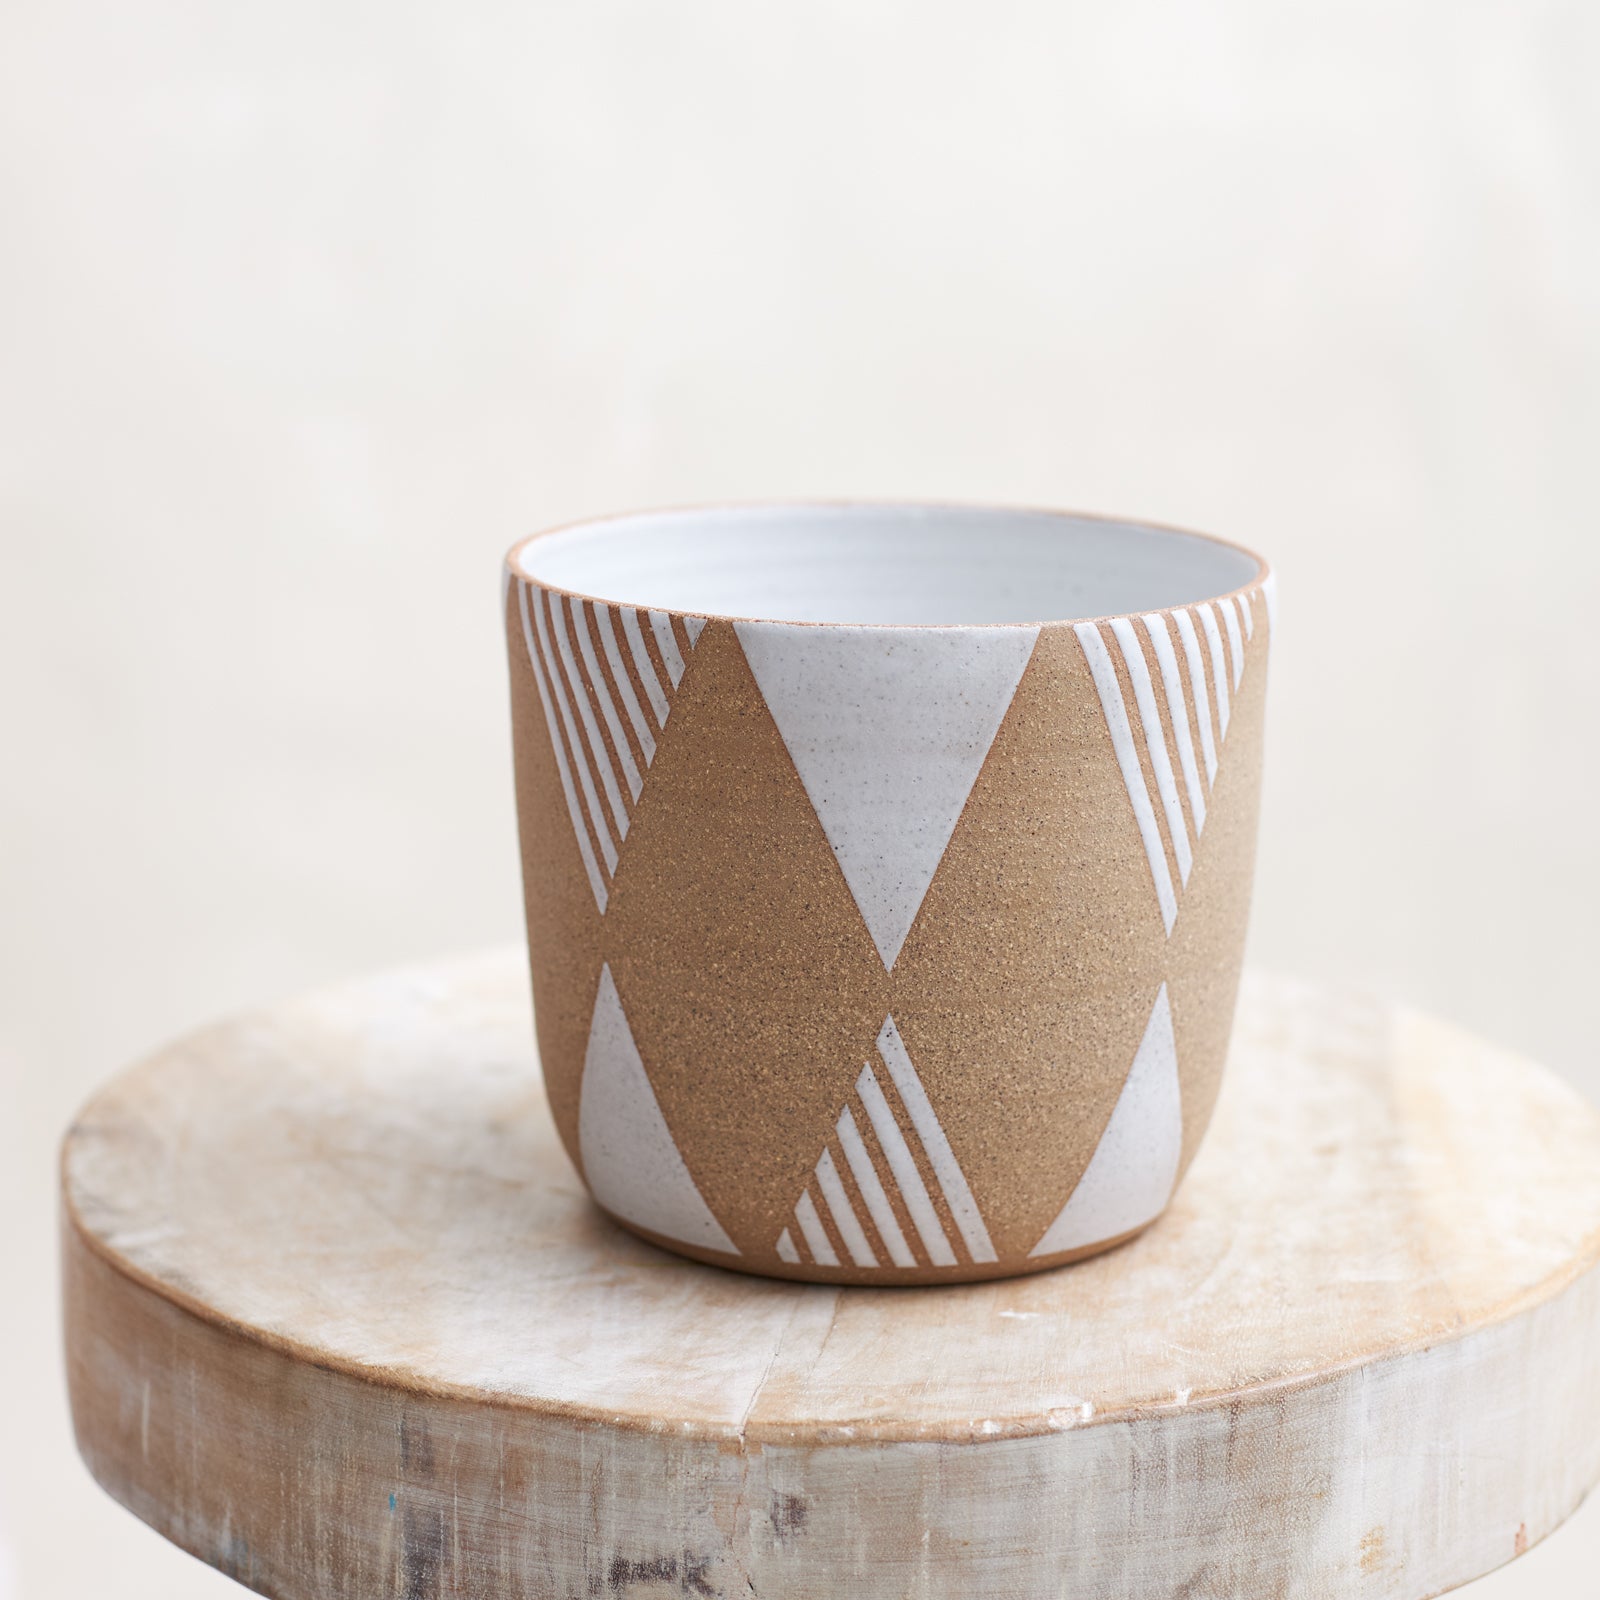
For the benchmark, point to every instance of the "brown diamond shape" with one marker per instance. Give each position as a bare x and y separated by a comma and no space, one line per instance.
1037,953
750,981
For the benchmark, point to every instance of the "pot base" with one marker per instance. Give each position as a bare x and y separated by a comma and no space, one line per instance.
881,1277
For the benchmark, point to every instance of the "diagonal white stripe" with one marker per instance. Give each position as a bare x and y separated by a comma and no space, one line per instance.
1230,620
1219,667
1247,605
952,1180
662,624
1155,741
1116,714
1178,705
647,668
630,701
872,1191
904,1167
602,693
843,1213
600,760
786,1249
574,811
816,1236
607,849
1202,695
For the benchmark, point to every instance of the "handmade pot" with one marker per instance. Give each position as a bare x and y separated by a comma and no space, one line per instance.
887,870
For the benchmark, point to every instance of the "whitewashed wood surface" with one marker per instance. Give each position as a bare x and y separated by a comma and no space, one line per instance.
339,1320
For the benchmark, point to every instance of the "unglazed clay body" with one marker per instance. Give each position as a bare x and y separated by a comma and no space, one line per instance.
892,936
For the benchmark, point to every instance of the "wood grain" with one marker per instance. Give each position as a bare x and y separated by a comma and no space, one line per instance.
340,1321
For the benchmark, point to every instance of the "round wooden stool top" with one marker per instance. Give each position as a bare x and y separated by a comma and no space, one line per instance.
340,1321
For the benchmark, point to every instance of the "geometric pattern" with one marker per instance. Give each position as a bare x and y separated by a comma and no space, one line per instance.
610,671
888,732
896,1158
1133,1170
960,854
1196,713
630,1159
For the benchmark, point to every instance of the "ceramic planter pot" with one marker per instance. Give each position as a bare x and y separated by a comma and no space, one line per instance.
887,871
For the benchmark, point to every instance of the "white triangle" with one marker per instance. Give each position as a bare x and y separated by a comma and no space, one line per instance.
1129,1179
888,728
630,1158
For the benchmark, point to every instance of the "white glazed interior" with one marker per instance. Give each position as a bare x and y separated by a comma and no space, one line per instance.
885,564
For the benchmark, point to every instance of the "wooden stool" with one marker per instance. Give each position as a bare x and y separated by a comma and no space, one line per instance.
341,1322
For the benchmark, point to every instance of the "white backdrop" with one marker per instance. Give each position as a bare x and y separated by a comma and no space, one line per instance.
308,310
